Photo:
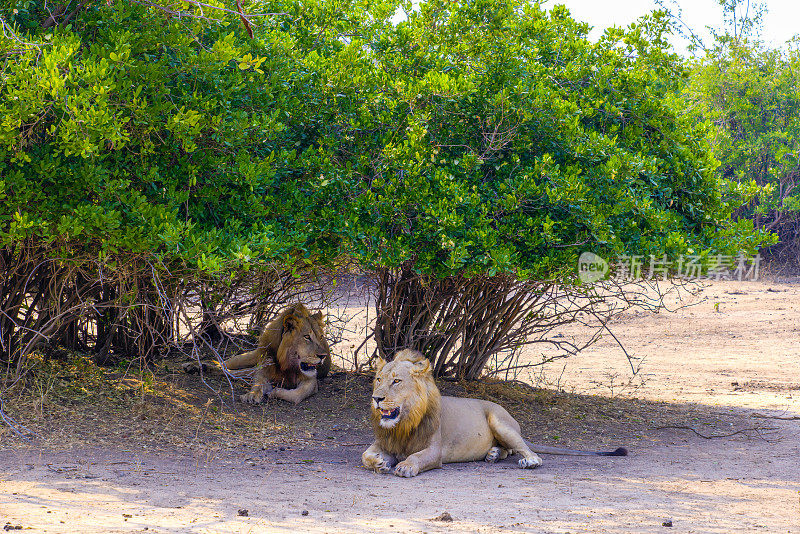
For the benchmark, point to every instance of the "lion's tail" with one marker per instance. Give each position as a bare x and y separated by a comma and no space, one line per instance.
544,449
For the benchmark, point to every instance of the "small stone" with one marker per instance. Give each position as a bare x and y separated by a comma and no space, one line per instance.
444,516
304,512
244,512
667,523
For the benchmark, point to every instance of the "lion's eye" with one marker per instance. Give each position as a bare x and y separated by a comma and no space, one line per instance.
308,337
396,381
377,379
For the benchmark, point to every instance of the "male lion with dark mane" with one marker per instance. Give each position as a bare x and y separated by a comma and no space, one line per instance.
292,353
417,429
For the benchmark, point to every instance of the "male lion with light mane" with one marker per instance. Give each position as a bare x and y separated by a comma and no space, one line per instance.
417,427
292,353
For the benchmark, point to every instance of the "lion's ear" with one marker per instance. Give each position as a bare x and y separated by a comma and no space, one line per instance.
290,322
318,316
379,365
421,367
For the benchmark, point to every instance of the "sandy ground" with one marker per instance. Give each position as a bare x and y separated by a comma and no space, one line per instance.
734,354
736,344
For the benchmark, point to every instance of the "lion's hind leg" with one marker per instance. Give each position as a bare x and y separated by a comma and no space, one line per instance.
234,363
506,432
206,366
244,360
496,454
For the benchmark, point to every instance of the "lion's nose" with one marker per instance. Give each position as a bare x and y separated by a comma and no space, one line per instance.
378,400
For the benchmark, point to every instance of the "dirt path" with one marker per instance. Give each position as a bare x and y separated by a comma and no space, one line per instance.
701,486
738,364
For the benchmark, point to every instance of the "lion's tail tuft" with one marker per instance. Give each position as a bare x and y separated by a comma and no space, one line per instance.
619,451
544,449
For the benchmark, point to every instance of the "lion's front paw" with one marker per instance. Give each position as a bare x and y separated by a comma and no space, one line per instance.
383,467
289,395
530,462
378,463
407,470
380,466
252,397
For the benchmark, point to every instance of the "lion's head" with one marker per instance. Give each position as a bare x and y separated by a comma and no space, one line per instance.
405,400
303,346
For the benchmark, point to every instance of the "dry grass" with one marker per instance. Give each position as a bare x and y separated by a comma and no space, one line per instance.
72,402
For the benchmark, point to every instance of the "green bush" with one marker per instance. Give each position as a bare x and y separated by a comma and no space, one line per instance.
512,144
142,153
148,158
518,143
134,131
748,94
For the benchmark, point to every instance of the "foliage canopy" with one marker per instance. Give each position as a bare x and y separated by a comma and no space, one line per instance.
748,94
472,140
514,143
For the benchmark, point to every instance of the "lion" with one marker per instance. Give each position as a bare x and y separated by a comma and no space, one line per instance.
416,429
292,353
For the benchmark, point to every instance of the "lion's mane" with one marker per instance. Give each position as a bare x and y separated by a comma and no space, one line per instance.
414,431
279,339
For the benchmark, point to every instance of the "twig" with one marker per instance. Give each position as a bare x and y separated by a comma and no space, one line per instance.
8,33
13,425
244,19
621,346
244,16
716,436
309,462
173,12
778,417
340,443
202,418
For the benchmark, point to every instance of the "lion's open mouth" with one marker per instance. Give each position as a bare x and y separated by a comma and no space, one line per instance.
307,367
390,414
